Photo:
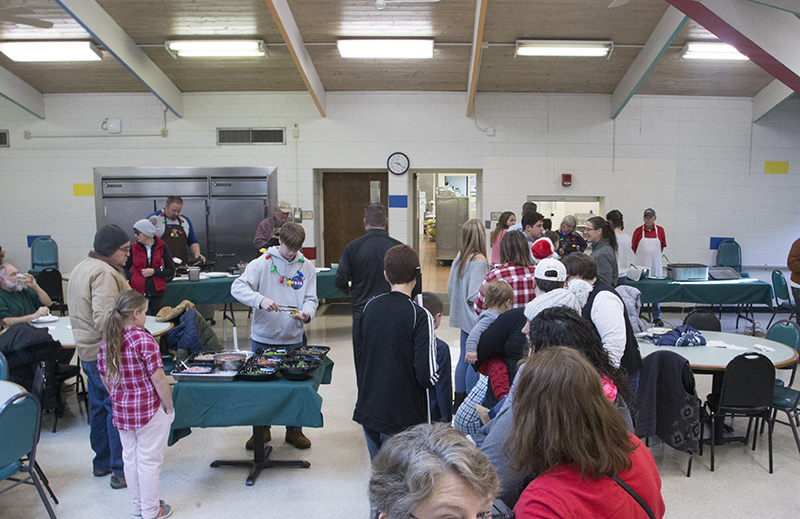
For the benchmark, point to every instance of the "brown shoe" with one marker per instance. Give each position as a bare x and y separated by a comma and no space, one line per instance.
267,437
298,439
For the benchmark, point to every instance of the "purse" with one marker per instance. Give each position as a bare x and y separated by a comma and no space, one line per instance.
636,496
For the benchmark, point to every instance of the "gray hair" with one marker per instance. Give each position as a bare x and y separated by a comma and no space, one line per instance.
406,469
569,220
3,269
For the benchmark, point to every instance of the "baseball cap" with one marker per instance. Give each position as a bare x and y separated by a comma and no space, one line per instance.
550,269
284,206
649,212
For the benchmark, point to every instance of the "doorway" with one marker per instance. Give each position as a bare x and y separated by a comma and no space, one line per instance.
344,197
582,208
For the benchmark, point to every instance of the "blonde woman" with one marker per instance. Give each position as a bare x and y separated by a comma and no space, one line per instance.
466,275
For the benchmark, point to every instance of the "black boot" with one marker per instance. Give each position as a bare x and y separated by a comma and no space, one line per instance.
459,398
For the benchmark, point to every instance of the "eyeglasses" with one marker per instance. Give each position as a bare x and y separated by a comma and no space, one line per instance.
482,515
125,249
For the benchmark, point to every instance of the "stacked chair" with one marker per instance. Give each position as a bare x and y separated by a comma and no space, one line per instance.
44,255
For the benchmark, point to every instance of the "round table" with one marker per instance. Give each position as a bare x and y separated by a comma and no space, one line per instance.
61,330
705,358
8,390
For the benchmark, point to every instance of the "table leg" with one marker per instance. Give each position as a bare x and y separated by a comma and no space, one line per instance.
260,459
227,314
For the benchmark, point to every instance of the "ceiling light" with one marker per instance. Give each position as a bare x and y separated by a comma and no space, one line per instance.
591,49
54,50
391,49
216,48
711,50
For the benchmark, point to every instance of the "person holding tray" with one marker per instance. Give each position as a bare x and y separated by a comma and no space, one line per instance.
281,287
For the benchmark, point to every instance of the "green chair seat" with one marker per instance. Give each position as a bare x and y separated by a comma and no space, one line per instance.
784,397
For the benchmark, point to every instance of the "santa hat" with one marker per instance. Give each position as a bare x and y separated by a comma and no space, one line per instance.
542,248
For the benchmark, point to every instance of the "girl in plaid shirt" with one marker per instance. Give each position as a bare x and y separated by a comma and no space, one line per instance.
130,366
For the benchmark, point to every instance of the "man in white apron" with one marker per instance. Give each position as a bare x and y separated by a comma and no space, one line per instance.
648,242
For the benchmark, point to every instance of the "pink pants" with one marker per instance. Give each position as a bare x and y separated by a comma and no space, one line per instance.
143,454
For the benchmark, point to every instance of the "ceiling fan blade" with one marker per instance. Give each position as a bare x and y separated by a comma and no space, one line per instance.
33,22
618,3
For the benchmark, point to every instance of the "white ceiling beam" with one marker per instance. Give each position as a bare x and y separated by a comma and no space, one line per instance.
662,36
117,42
21,93
475,57
793,6
770,97
294,41
769,37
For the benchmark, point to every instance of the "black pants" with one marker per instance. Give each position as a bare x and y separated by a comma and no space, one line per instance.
154,303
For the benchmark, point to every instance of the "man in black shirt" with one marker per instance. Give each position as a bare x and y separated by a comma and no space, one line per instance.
360,272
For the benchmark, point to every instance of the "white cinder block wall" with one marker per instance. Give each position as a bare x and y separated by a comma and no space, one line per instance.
698,161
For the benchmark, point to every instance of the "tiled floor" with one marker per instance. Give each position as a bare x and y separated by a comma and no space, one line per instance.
335,484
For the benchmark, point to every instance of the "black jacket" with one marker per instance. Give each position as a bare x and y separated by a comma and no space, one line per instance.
631,358
395,363
362,264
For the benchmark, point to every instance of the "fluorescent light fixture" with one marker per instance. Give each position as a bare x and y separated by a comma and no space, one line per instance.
216,48
588,49
711,50
54,50
386,49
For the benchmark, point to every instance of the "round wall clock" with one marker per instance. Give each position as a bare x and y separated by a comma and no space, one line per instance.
398,163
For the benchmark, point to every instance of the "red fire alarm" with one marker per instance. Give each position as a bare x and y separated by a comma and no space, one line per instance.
566,179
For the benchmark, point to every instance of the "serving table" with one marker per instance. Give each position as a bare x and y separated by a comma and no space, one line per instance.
225,404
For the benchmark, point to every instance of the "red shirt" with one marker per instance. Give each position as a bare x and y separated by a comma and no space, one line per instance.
655,232
134,400
561,493
520,279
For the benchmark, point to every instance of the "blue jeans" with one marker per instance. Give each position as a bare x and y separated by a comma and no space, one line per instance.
103,436
290,347
375,440
466,376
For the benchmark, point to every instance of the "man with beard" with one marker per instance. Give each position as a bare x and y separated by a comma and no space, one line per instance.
21,299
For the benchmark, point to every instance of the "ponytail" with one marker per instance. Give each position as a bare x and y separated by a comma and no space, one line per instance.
608,233
126,303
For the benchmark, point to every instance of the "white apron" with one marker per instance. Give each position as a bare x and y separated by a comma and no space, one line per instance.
648,254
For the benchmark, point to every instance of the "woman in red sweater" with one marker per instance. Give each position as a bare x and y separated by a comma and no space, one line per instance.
573,438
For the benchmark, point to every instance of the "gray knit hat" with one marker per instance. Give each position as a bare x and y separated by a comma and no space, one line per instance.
145,227
108,239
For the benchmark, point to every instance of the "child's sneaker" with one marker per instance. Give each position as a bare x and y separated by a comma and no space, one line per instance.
164,511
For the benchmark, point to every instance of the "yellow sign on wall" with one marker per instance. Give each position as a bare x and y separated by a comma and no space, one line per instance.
773,167
82,189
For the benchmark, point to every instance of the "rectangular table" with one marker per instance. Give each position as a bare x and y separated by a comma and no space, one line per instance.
226,404
744,291
326,288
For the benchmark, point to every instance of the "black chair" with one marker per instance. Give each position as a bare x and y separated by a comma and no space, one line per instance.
63,372
703,320
50,281
747,390
667,403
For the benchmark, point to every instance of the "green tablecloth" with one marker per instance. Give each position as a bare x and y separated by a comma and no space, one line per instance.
717,292
211,291
326,289
225,404
217,291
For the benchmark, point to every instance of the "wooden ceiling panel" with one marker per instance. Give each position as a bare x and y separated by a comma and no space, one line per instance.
448,21
102,76
155,21
276,72
446,72
64,27
631,24
674,76
502,72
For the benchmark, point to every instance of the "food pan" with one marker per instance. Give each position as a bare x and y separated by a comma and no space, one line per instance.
299,369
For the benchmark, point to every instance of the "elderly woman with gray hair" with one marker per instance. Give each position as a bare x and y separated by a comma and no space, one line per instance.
568,240
431,471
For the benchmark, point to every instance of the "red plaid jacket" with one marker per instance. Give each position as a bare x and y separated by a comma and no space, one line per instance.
520,279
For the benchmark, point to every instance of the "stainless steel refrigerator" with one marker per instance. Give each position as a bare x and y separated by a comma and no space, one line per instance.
225,205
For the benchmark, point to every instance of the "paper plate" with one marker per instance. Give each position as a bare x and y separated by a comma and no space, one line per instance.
658,330
46,319
216,274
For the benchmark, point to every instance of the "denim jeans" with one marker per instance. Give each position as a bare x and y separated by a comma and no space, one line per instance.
103,436
375,440
290,347
466,376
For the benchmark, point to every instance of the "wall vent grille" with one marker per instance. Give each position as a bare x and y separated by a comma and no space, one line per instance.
4,139
238,136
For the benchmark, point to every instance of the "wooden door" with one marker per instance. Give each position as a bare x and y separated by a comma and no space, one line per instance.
344,197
